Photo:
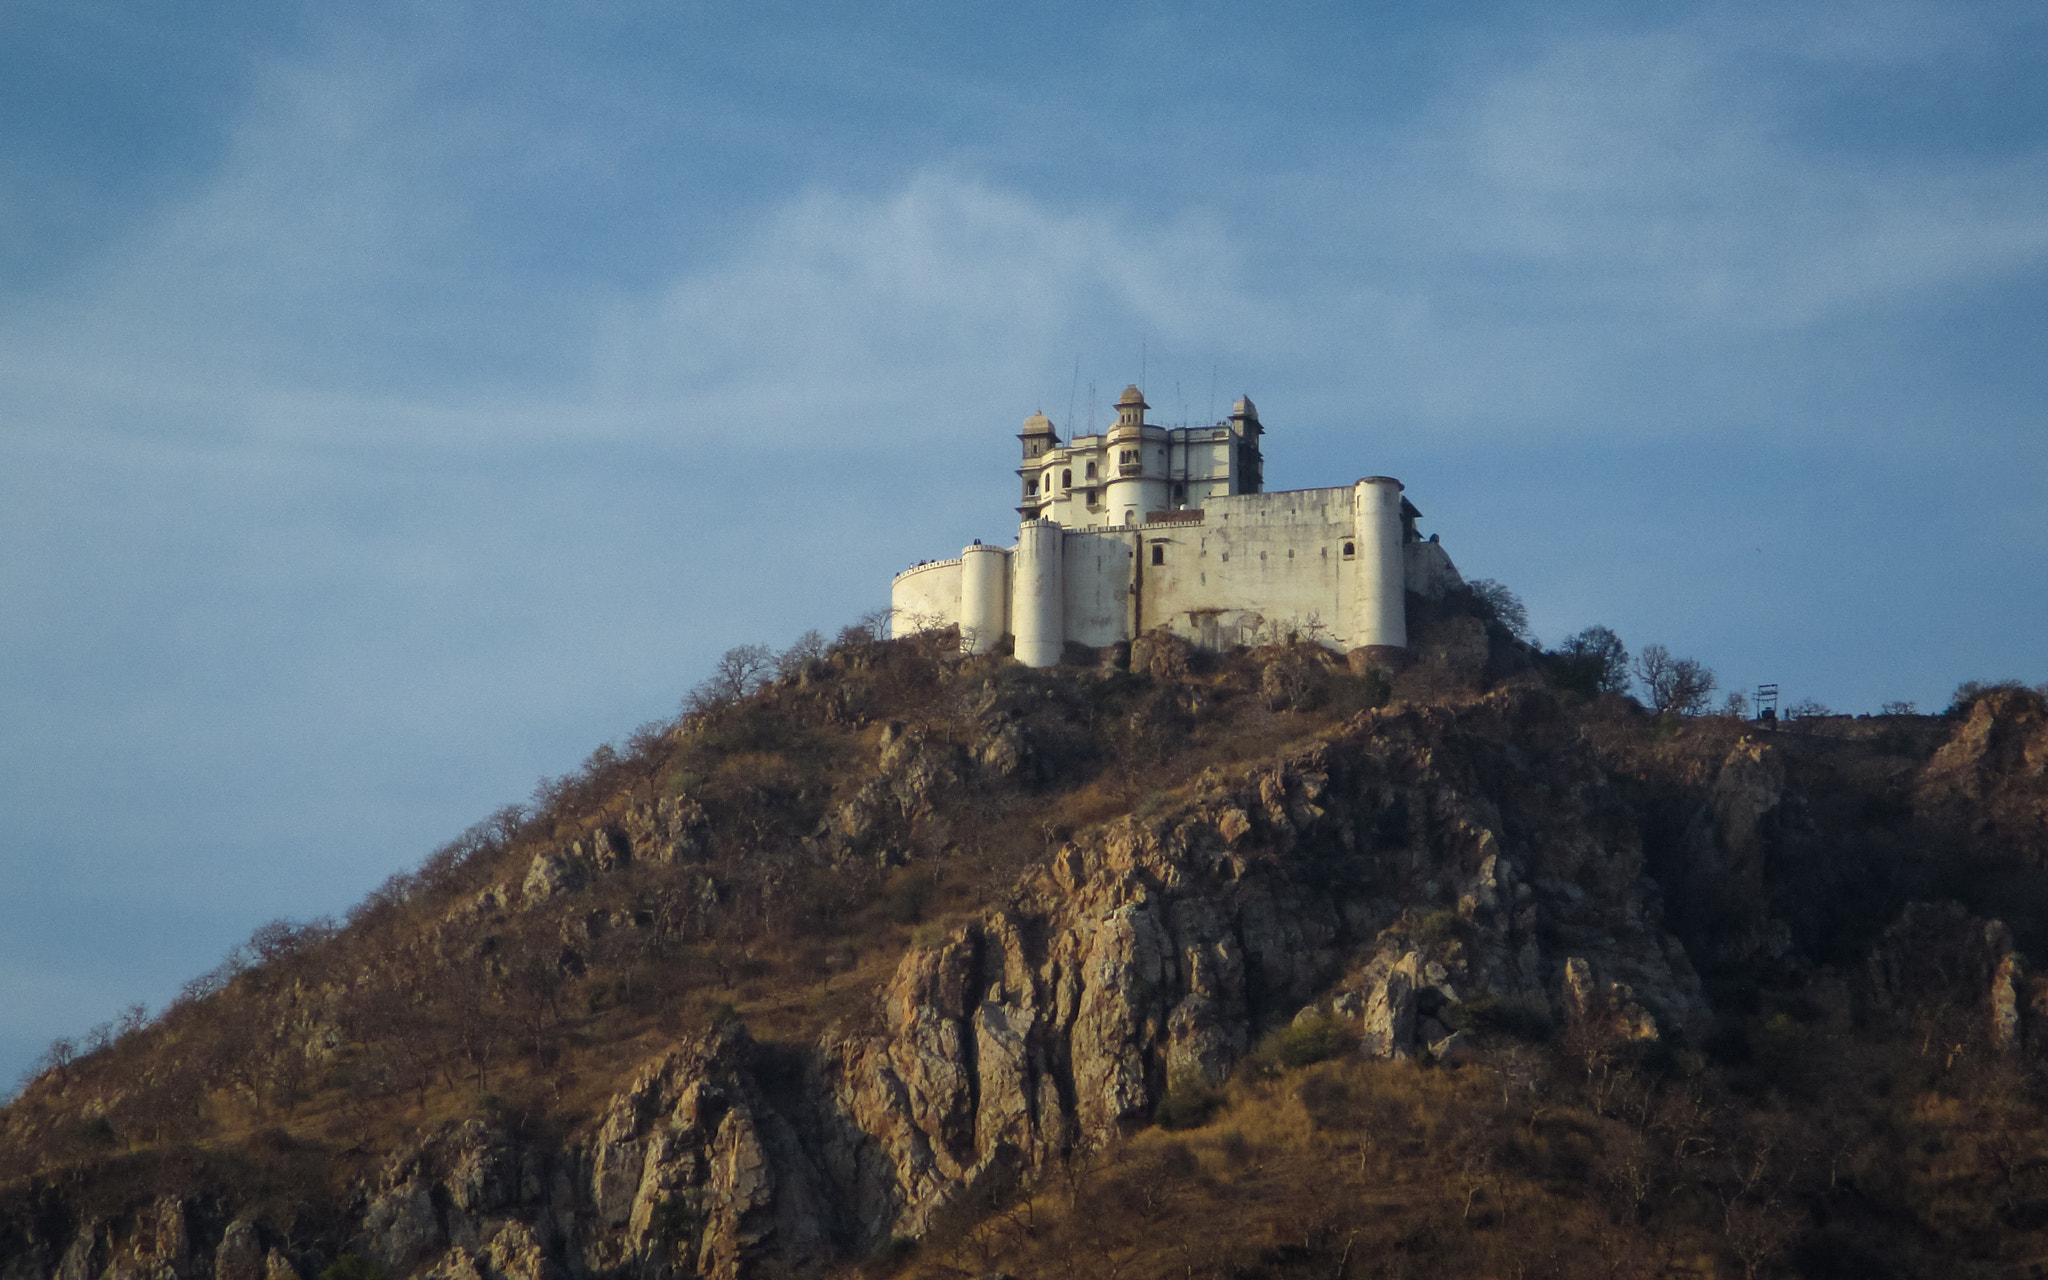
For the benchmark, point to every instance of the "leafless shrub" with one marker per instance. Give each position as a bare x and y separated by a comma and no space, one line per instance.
1677,686
1507,607
809,648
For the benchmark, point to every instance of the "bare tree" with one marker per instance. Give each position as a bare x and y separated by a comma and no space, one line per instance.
742,669
809,647
1507,607
62,1052
1678,686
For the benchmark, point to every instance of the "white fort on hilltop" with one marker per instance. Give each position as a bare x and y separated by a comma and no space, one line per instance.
1145,527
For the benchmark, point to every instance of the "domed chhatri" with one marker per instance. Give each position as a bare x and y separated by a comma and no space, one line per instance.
1143,526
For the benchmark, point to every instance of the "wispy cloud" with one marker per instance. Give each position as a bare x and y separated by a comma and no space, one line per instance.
947,300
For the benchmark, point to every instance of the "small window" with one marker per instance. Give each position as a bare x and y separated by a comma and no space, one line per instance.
1031,488
1158,553
1067,482
1130,516
1091,471
1350,550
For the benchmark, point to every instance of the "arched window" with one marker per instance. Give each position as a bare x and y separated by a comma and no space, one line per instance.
1091,471
1130,515
1067,478
1350,550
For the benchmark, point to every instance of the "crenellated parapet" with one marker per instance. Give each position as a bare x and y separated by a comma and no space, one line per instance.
1141,527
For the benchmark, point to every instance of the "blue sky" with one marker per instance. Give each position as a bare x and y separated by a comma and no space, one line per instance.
397,401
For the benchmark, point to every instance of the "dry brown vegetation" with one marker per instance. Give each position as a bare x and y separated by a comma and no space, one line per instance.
433,1001
1838,1147
865,797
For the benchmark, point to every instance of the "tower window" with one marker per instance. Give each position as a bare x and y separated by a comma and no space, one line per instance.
1350,550
1091,471
1067,478
1158,553
1031,488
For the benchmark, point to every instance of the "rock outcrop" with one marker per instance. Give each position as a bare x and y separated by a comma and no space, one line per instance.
1418,875
1989,782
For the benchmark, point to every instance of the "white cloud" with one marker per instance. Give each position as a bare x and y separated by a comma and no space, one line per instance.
1666,176
946,298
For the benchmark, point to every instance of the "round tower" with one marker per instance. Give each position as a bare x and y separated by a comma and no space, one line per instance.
1379,617
1038,596
984,597
1136,466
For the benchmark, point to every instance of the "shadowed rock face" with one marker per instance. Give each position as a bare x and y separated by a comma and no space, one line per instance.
1420,861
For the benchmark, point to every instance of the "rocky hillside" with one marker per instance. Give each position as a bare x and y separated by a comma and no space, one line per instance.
1156,963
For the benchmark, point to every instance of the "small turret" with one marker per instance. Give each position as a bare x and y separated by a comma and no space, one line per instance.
1130,413
1038,435
1136,469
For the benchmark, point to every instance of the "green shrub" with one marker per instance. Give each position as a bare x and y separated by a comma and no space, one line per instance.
350,1266
1490,1015
1300,1044
1328,1102
1315,1040
909,898
1188,1104
1969,692
1350,694
1441,925
674,1222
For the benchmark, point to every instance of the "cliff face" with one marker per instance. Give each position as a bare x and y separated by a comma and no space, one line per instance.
1412,879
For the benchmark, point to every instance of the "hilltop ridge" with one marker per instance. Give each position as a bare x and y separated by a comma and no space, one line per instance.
1246,963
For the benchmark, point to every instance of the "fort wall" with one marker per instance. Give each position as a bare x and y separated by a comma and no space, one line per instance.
1154,545
925,596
